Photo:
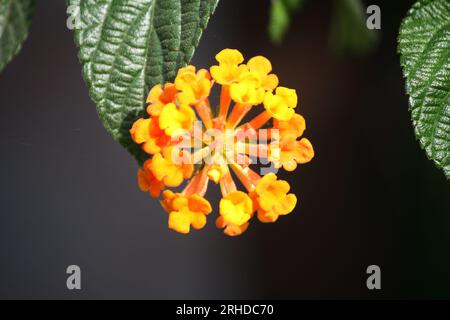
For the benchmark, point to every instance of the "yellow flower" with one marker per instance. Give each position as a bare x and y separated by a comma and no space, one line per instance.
159,97
263,67
236,208
229,67
147,181
271,198
296,125
185,211
281,104
171,167
216,172
248,90
194,87
292,152
173,119
148,133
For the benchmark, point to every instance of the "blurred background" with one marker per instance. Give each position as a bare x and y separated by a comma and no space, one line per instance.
68,192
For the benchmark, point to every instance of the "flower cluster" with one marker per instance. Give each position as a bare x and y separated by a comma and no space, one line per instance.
225,143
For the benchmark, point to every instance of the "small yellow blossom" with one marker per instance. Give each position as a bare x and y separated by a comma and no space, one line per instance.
216,172
159,97
248,90
263,67
185,211
173,119
194,87
171,168
147,181
281,104
236,208
148,133
271,198
229,68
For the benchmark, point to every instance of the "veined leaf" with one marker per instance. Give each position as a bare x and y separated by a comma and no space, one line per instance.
15,20
424,45
127,46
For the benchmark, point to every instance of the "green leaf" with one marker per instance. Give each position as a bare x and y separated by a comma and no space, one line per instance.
15,20
424,46
280,18
293,4
349,33
126,47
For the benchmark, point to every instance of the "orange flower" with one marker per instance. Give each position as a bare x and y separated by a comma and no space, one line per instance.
171,167
159,97
271,198
185,211
147,181
148,133
292,152
296,125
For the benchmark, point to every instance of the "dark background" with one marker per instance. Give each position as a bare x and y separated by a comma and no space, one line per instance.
68,193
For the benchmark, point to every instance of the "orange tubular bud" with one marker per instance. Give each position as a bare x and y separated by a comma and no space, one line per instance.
247,176
237,114
260,120
227,184
199,183
225,101
204,112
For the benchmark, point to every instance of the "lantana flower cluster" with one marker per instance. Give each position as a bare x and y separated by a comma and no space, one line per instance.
222,145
